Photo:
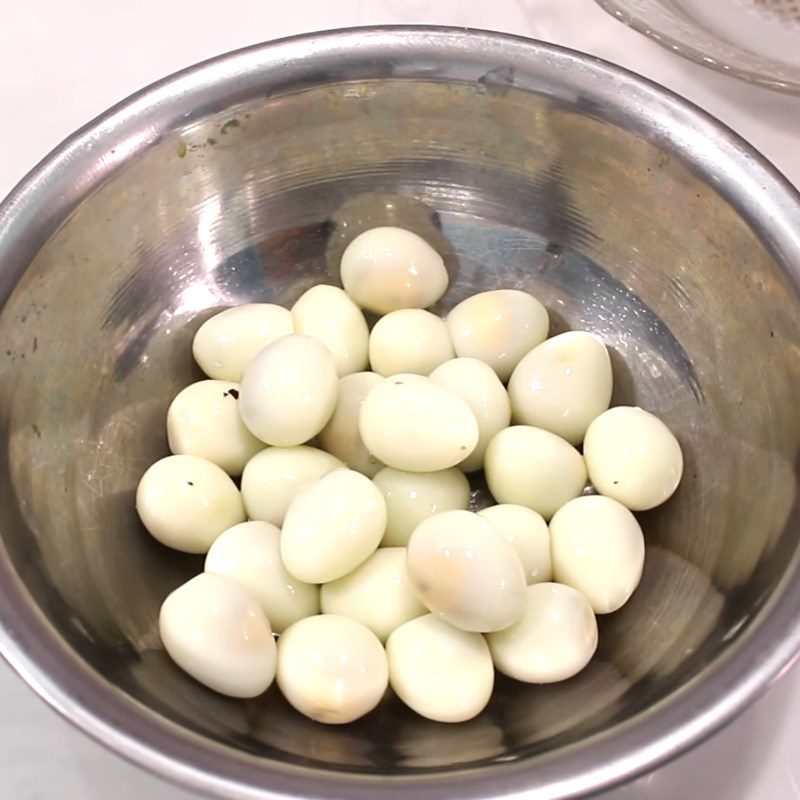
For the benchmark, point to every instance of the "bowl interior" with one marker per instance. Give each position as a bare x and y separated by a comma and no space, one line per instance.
255,199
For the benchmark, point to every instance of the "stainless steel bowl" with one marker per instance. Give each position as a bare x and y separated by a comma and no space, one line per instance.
627,210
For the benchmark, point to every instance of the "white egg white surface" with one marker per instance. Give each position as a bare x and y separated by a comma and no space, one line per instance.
273,477
535,468
331,668
214,629
412,424
632,456
388,268
376,593
597,548
414,496
227,342
481,389
327,314
250,553
441,672
332,526
527,531
288,391
203,420
341,436
498,327
562,385
554,639
409,340
186,502
465,572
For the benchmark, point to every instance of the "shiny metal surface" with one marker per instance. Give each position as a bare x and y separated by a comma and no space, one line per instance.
626,210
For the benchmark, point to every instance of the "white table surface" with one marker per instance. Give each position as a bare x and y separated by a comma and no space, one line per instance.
64,61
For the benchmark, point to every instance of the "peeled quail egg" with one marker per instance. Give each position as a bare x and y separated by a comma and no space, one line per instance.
327,314
203,420
562,385
409,340
341,436
250,553
597,548
410,423
332,526
288,391
331,668
376,594
465,572
554,639
498,328
632,456
534,468
480,387
387,268
441,672
273,477
227,342
527,531
414,496
215,630
186,502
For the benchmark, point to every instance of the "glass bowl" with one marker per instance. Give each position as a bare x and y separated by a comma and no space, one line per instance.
755,40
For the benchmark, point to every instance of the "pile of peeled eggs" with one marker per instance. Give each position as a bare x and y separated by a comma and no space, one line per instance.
348,558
